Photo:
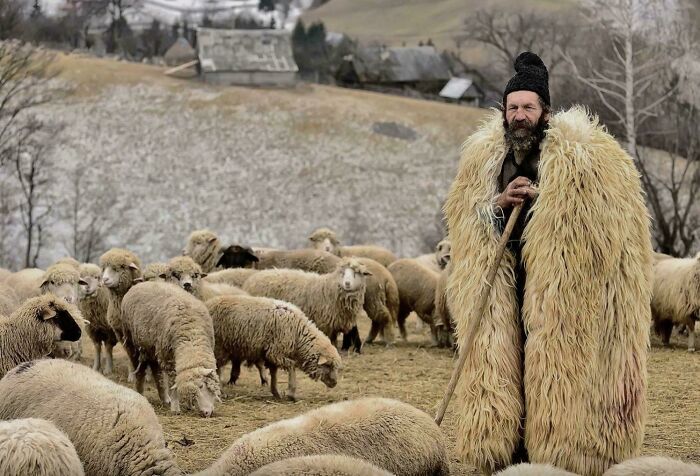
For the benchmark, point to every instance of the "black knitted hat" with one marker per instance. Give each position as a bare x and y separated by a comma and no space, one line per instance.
530,75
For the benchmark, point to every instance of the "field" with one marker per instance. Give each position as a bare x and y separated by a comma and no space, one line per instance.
418,374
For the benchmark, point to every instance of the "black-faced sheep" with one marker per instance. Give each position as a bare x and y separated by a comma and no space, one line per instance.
416,292
114,429
321,465
174,336
326,240
276,333
332,301
33,446
387,433
204,247
93,302
35,327
676,297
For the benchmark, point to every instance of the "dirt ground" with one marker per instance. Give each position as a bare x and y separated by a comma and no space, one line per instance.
417,374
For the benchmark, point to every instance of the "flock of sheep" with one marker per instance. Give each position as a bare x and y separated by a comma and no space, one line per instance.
185,320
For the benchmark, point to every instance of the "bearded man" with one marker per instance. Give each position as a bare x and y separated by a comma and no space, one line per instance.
557,370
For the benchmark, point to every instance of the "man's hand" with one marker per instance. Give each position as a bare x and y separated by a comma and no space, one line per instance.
515,193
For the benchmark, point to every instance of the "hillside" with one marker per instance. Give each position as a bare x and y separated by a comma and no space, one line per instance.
258,166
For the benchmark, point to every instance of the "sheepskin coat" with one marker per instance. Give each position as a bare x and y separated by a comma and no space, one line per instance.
387,433
257,329
586,314
321,465
32,446
114,429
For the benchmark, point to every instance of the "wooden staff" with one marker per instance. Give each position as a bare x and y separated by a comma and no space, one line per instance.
481,308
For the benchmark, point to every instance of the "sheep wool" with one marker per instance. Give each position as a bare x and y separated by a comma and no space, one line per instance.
321,465
8,300
527,469
25,283
114,429
156,272
233,277
653,466
93,304
204,247
404,440
32,446
586,310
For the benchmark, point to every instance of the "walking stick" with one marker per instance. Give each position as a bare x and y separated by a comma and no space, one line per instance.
481,307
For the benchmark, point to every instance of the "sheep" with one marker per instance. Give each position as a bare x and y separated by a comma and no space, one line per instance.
156,272
8,300
438,260
233,277
676,297
4,274
256,329
187,274
653,466
381,301
332,301
442,316
326,240
533,469
93,304
309,260
63,280
173,333
204,247
25,283
387,433
114,429
35,446
121,269
321,465
237,256
33,330
416,292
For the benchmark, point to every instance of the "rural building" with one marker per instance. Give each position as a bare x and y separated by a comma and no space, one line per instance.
246,57
179,53
409,68
463,91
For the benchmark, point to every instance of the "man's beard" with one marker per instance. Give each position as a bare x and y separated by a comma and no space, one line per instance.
523,136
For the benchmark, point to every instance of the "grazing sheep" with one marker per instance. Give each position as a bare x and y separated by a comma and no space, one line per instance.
25,283
8,300
121,269
438,260
326,240
33,330
532,469
676,297
188,275
314,261
35,446
233,277
416,292
93,303
156,272
173,333
256,329
653,466
332,301
387,433
321,465
442,316
114,429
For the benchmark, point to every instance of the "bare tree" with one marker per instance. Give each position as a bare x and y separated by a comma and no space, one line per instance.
33,168
7,231
11,18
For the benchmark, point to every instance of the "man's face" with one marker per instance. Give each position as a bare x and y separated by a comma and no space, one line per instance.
524,115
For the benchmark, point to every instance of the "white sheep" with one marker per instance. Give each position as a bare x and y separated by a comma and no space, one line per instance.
314,261
233,276
438,260
32,446
34,329
25,283
653,466
416,292
387,433
442,316
114,429
533,469
93,301
332,301
256,329
156,272
321,465
326,240
183,271
8,300
676,297
173,334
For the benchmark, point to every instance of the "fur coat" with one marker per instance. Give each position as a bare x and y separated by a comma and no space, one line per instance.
575,390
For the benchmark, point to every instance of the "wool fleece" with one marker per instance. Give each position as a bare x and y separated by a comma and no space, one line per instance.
575,389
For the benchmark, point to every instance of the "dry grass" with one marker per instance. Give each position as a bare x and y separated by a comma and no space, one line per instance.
417,374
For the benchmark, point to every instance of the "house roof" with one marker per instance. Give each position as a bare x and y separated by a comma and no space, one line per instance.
457,88
245,50
397,65
180,52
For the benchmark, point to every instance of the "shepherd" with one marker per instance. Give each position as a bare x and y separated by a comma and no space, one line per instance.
556,372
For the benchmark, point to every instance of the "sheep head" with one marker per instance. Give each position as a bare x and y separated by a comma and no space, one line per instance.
352,275
237,256
325,239
204,247
121,269
184,272
198,388
443,253
156,272
53,315
90,280
62,280
328,370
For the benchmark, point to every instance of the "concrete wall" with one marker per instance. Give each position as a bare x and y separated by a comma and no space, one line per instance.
251,78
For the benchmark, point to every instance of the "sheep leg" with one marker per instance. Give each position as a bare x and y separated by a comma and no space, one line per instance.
273,382
261,371
174,399
97,362
235,371
140,376
109,359
373,332
292,384
352,338
161,385
664,329
692,329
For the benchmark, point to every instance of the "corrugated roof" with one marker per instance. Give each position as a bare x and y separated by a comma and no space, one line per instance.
398,65
245,50
456,87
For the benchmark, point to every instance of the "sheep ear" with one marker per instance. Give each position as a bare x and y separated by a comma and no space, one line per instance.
212,239
133,266
174,387
202,275
163,276
44,284
367,273
47,313
138,280
323,360
82,282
